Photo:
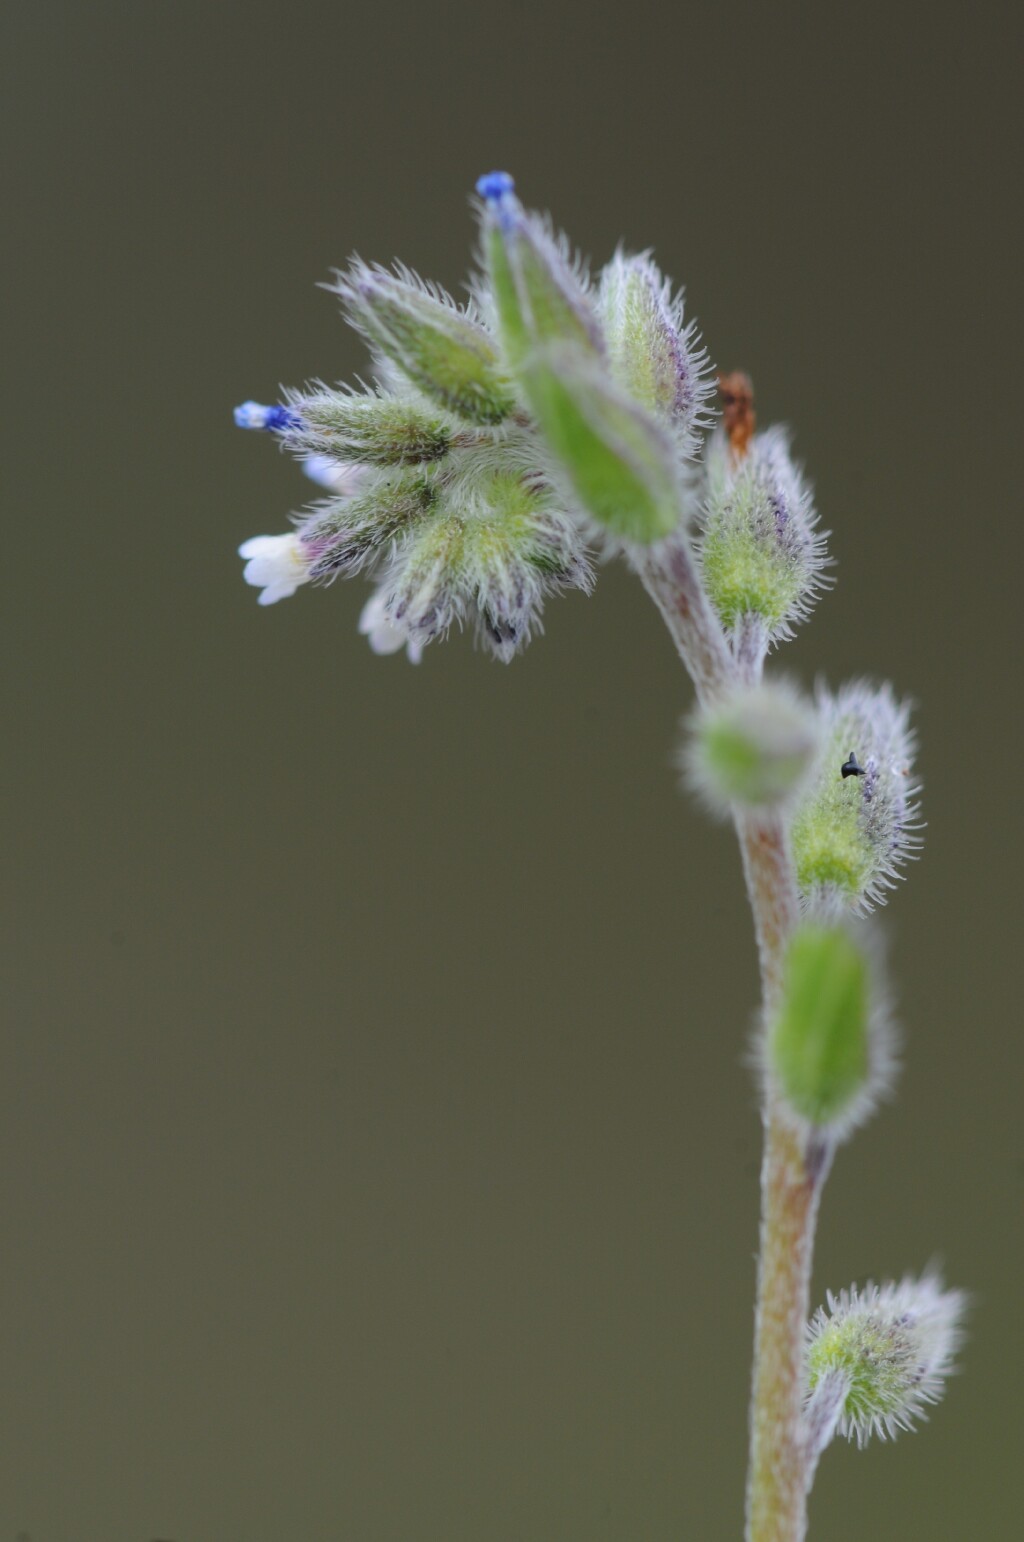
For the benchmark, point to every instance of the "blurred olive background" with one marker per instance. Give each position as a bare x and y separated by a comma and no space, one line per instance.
379,1161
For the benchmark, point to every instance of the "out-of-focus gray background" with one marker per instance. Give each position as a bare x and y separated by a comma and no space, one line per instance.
378,1161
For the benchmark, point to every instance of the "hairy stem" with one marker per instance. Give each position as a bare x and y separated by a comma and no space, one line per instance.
791,1178
669,574
792,1172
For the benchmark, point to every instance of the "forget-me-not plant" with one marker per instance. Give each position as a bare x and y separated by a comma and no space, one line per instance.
501,446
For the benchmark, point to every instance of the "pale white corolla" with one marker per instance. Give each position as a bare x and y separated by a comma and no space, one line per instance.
338,476
276,564
382,634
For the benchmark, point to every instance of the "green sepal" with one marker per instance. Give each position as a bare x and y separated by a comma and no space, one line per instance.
647,352
374,430
620,465
537,295
440,349
512,324
346,534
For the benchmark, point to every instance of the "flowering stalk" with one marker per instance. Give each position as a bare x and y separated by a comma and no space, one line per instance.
790,1190
499,444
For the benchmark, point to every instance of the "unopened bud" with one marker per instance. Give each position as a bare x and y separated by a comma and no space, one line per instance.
753,748
893,1348
651,352
830,1047
376,429
540,295
615,459
441,349
761,553
486,555
347,534
856,824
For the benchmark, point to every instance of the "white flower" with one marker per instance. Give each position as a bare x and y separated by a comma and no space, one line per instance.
277,564
382,634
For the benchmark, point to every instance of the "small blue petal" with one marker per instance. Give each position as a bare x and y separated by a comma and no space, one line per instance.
255,415
495,185
281,418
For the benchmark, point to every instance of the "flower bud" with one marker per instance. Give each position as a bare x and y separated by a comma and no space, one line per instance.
753,748
441,349
375,429
612,456
346,534
255,415
893,1346
856,823
486,556
539,293
761,555
830,1047
651,353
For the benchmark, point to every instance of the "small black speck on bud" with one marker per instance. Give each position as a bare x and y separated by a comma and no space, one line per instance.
851,767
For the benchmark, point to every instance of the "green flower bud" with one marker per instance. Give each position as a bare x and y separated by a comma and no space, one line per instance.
651,353
856,824
891,1348
761,554
818,1046
539,293
612,456
753,748
382,430
440,348
344,535
493,546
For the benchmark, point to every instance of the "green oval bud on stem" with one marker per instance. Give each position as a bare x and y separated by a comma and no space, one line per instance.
890,1348
856,825
753,748
818,1049
762,556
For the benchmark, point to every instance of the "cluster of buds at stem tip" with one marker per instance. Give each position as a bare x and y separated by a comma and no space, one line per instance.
499,439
